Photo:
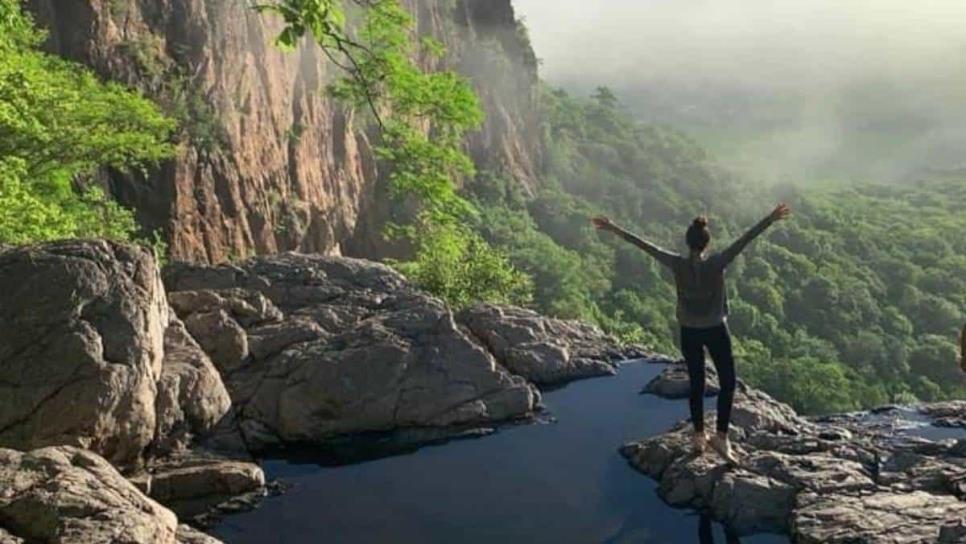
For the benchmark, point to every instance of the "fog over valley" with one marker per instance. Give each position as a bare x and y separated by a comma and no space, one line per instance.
784,90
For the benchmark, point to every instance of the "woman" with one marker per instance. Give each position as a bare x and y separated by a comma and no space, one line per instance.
702,313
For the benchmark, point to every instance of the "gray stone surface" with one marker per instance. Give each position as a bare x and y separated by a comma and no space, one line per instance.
68,495
192,482
349,346
81,345
544,350
835,479
899,518
674,383
191,397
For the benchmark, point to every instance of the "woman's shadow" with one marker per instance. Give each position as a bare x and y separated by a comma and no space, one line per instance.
706,532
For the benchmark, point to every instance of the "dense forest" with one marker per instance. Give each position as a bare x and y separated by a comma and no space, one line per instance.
856,302
853,303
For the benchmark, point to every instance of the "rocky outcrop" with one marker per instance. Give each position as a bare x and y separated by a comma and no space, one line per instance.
331,346
191,398
544,350
69,495
91,356
193,482
270,163
880,517
673,382
841,479
81,347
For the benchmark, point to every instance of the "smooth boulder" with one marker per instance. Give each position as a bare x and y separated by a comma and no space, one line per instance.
341,346
545,350
81,345
191,397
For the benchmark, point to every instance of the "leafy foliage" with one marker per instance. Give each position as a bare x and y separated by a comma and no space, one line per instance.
58,125
423,115
460,267
855,302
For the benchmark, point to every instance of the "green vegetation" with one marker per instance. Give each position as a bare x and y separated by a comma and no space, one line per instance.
459,266
422,116
855,302
58,125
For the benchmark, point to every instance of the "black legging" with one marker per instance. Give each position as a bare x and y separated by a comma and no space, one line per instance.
718,341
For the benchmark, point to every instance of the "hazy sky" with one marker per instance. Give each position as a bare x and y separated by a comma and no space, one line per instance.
761,42
873,87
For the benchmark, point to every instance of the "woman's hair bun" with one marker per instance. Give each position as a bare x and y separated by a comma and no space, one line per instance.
700,222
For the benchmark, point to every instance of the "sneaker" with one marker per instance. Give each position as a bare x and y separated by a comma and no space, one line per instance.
722,445
699,441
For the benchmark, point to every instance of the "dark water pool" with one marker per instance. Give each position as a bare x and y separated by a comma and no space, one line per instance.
556,482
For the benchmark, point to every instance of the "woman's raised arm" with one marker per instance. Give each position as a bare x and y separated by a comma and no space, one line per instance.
663,256
780,212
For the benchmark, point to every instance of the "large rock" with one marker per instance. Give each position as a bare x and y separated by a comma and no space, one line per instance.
833,479
191,396
81,344
544,350
913,518
358,349
946,414
191,483
69,495
674,382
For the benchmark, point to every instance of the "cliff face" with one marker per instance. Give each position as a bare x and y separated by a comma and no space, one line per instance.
270,163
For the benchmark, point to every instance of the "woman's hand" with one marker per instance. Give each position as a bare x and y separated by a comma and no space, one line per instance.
782,211
602,223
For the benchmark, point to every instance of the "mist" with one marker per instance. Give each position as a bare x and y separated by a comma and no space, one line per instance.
780,89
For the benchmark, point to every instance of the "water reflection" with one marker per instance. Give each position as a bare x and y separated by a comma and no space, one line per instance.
706,532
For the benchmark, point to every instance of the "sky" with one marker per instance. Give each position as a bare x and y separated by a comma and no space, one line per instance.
777,43
871,87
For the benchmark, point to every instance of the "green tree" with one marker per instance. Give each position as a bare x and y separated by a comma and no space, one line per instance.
58,126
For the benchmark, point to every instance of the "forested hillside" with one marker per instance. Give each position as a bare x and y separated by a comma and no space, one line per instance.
855,302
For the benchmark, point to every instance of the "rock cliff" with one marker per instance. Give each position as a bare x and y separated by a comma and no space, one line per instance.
836,479
271,164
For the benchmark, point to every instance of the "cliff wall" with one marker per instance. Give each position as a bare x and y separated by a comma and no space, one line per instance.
269,162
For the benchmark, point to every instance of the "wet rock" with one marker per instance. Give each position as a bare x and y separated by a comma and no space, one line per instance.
190,483
953,533
752,503
946,414
544,350
881,517
825,480
357,349
69,495
673,383
189,535
81,343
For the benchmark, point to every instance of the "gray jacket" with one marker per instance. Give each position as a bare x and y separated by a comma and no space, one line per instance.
702,297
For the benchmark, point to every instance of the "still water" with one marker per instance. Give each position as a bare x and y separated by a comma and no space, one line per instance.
555,482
